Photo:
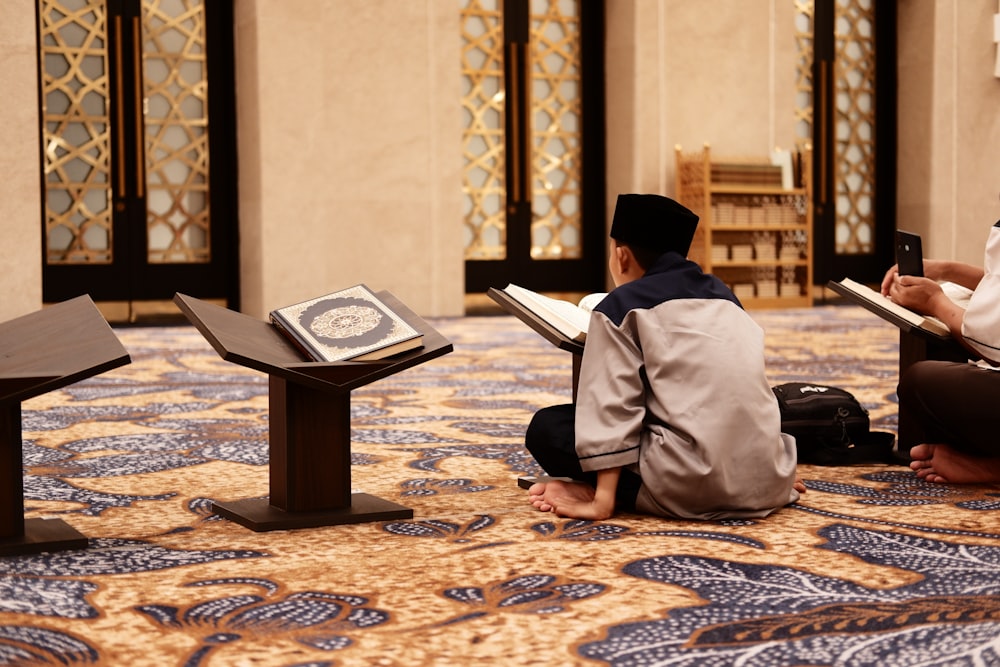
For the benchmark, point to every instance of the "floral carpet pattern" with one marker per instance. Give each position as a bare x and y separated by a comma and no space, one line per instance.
871,567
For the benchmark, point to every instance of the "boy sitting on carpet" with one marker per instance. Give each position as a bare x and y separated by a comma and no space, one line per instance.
674,414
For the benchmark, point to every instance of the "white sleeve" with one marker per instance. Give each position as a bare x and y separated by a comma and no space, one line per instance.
981,322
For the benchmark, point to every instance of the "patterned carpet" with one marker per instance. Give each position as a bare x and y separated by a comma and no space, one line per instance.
871,567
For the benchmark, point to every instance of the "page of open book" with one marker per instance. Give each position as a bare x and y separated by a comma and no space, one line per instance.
914,318
589,302
569,319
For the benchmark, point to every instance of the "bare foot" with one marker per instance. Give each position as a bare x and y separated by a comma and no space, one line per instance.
575,500
942,464
536,496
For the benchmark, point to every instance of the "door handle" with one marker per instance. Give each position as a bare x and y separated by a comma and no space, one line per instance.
120,108
515,122
139,102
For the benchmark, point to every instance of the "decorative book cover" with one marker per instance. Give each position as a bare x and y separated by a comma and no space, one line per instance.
352,324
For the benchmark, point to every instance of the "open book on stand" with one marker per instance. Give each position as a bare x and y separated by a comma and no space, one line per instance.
888,310
568,319
349,325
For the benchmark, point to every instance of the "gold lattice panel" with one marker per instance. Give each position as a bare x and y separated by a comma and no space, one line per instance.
854,126
76,139
176,131
854,115
555,130
804,28
483,189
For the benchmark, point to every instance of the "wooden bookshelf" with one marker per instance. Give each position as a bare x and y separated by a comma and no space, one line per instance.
755,234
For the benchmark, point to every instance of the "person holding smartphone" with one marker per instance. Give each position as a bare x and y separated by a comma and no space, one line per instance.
951,408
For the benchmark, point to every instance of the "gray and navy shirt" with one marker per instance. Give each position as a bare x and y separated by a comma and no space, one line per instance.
672,386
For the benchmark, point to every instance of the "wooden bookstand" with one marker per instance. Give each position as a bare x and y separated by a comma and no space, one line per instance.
42,351
915,344
310,419
549,333
543,329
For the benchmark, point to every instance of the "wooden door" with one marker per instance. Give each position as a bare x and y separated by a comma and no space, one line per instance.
533,144
852,86
138,150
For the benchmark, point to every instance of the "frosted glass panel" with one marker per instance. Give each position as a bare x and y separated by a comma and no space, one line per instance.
483,187
556,137
176,131
76,141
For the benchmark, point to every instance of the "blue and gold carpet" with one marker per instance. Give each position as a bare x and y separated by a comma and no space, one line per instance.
871,567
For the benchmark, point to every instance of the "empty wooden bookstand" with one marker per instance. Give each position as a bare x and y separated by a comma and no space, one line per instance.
40,352
310,419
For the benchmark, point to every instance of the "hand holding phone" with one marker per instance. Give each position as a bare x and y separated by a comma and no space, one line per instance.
909,254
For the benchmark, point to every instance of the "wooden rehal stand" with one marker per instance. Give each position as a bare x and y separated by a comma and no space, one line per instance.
915,344
543,329
310,419
549,333
43,351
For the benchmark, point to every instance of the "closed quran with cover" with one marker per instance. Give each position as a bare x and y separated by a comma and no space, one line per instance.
349,325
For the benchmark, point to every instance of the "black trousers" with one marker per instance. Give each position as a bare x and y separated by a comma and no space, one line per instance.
551,439
955,404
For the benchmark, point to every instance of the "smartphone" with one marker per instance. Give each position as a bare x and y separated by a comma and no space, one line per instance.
909,254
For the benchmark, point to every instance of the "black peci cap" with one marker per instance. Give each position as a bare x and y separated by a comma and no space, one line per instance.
653,222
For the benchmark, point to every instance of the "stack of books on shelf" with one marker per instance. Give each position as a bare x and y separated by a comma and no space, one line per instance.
722,213
790,253
741,252
790,290
762,174
767,289
765,250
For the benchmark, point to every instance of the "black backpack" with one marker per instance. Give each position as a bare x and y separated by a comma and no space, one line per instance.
830,426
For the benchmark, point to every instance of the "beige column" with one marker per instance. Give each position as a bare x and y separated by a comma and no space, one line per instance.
350,151
20,189
949,125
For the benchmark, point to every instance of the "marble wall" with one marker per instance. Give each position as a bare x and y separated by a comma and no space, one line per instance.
949,125
20,188
349,138
679,74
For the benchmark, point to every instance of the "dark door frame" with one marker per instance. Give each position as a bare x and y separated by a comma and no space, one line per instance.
130,277
827,265
586,274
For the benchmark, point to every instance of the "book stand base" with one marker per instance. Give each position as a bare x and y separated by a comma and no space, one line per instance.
43,535
309,419
259,515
